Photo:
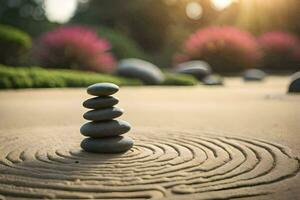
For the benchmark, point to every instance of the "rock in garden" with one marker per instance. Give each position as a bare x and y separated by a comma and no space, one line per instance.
103,114
140,69
117,144
294,86
254,75
104,132
213,80
196,68
102,89
105,128
100,102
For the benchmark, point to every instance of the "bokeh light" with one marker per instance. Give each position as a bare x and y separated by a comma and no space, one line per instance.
60,11
194,10
221,4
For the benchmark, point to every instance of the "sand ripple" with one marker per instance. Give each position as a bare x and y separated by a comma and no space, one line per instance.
158,166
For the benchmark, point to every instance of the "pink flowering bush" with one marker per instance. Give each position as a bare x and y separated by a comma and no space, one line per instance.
226,49
281,50
74,47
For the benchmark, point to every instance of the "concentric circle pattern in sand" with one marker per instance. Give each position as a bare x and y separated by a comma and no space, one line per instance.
159,166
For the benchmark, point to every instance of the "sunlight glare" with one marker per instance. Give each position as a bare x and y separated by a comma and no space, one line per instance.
60,10
221,4
194,10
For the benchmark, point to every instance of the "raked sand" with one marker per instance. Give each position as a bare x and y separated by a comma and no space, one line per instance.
239,141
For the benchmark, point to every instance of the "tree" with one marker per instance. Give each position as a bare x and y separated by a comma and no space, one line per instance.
27,15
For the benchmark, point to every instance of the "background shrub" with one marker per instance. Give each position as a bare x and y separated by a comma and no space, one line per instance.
74,47
281,50
226,49
122,46
35,77
179,79
14,45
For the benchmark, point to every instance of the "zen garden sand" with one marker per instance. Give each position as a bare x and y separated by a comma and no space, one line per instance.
240,141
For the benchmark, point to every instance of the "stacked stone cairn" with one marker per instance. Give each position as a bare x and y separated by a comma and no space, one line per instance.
104,132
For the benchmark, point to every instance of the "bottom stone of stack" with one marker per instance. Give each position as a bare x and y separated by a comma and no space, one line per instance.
118,144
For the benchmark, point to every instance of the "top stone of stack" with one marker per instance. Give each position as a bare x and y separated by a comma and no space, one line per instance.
102,89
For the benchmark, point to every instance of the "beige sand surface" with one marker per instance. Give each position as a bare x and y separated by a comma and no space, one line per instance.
238,141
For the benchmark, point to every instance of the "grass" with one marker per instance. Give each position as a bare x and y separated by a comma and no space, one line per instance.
36,77
179,80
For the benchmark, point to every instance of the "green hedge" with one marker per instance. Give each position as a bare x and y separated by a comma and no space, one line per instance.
14,45
35,77
179,79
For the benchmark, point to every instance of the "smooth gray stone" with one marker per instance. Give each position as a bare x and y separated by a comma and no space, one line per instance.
140,69
102,89
100,102
213,80
254,75
103,114
198,69
116,144
294,86
105,128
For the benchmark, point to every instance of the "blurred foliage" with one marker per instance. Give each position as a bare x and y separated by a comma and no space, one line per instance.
225,49
159,27
122,46
259,16
281,51
27,15
14,35
35,77
179,79
144,21
74,47
14,45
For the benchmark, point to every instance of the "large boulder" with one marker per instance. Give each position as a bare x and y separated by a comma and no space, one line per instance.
198,69
254,75
145,71
294,86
